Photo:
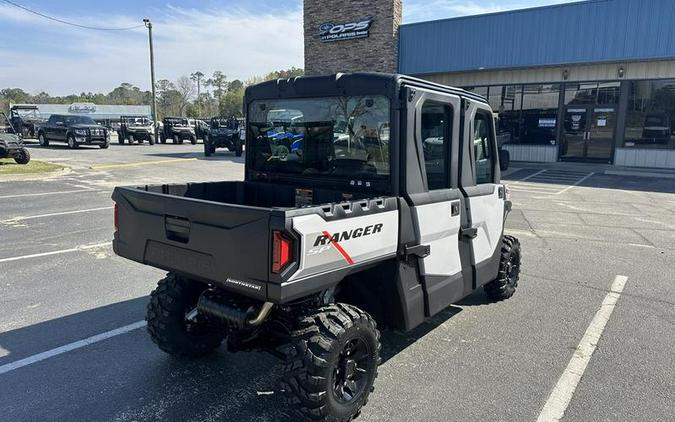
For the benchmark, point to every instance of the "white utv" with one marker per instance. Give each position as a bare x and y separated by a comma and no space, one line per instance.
384,204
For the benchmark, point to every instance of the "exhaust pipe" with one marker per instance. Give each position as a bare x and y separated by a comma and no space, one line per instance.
235,318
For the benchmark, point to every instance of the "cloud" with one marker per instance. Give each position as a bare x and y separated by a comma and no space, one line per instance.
63,60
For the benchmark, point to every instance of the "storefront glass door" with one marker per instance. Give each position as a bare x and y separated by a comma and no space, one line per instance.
588,133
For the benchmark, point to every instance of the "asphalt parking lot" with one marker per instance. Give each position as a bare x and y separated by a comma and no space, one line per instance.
73,347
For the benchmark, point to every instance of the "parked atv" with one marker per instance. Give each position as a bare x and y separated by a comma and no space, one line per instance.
177,129
11,144
25,119
135,129
314,246
222,133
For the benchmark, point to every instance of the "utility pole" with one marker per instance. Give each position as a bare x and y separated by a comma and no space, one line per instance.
148,25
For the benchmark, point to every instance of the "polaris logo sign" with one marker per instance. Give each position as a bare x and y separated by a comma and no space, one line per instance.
347,31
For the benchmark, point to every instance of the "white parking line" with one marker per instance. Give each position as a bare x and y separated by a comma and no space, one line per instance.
578,182
530,176
22,195
562,393
70,347
62,251
54,214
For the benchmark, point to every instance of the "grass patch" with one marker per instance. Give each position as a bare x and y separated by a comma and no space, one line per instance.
8,166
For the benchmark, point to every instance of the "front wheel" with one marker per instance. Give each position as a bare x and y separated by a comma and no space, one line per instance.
170,325
72,144
151,140
207,147
504,286
44,142
193,140
120,138
23,157
176,139
331,363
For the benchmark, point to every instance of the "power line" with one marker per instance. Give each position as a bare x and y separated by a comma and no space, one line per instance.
96,28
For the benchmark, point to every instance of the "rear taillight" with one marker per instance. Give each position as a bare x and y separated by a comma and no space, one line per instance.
282,251
115,222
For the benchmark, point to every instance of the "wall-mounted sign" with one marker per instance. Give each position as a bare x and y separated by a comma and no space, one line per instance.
547,122
82,108
345,31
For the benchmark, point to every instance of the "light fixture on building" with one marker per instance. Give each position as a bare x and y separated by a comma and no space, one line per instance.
566,74
621,72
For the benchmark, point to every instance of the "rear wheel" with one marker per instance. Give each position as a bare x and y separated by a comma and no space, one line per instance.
331,363
238,149
207,147
23,157
151,140
120,138
44,142
193,140
171,325
504,286
105,145
176,139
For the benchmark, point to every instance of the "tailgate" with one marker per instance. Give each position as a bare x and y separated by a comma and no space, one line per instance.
223,243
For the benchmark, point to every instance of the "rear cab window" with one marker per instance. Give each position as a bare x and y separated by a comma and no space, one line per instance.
483,142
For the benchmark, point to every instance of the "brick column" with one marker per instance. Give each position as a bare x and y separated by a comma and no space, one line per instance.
376,53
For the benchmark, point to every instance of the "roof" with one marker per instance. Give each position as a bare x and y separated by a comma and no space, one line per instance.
592,31
358,83
95,111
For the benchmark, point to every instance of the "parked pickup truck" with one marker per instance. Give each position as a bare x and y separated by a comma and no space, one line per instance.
357,223
74,130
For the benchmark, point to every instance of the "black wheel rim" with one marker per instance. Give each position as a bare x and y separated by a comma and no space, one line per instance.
513,269
351,373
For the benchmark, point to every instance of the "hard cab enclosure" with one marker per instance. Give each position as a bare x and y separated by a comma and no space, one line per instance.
381,190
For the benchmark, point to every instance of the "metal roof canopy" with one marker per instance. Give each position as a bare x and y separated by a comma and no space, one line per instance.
95,111
593,31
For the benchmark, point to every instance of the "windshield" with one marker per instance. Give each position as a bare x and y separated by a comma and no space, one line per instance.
31,112
342,137
79,120
177,122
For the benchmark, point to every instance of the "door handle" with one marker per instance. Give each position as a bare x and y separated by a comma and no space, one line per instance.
469,232
454,209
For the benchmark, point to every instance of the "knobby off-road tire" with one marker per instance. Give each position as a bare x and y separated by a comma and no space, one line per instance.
504,286
23,157
331,364
168,326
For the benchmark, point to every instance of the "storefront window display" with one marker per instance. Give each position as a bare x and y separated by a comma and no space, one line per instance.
650,117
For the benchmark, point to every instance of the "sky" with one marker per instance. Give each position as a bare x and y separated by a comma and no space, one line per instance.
241,38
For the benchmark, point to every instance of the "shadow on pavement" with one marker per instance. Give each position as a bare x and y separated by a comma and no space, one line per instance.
127,378
559,177
220,155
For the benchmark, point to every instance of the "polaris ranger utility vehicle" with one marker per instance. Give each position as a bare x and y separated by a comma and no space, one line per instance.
74,130
136,129
222,133
25,119
177,129
391,210
11,143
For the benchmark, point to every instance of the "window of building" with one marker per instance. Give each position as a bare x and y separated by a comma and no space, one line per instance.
483,156
592,93
650,118
436,141
539,118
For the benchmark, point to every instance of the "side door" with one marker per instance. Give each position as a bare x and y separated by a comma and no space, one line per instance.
436,203
485,197
60,128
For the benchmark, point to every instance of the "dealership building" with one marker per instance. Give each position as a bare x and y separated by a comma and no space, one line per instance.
105,114
589,81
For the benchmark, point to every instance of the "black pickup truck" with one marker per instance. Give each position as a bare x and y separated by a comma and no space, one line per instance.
387,206
73,130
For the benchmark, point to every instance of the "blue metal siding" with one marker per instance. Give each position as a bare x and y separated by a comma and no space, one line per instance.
587,32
